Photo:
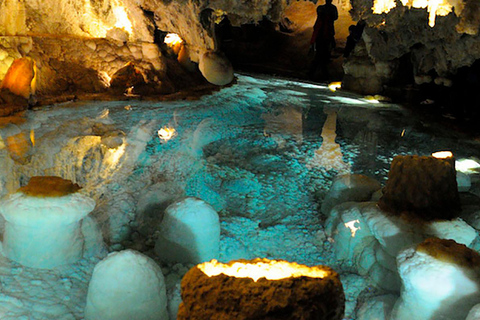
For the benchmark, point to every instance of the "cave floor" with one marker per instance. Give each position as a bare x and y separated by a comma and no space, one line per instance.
259,151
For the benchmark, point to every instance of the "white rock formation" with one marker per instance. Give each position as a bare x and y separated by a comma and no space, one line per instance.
474,313
189,232
441,280
350,187
44,232
368,240
377,308
216,68
126,285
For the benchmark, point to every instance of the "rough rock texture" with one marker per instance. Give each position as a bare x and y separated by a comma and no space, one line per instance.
189,232
224,297
194,20
216,68
77,18
126,285
424,186
349,187
440,281
403,41
70,64
44,232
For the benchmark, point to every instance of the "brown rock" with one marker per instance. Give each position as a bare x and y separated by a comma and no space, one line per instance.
227,297
127,77
49,186
424,186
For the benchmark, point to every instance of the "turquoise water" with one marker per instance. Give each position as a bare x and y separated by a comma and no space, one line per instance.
262,152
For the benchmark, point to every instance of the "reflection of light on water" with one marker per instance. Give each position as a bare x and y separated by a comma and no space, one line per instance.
113,156
348,100
351,225
334,86
286,121
104,114
166,133
467,166
442,154
329,155
268,269
371,99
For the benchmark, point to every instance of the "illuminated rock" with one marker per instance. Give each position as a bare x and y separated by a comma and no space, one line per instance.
126,285
441,280
189,232
423,186
127,77
216,68
261,289
20,77
43,228
455,229
184,59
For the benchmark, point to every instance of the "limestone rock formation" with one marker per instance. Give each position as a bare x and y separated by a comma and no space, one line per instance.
407,41
126,285
228,297
440,281
43,223
189,232
424,186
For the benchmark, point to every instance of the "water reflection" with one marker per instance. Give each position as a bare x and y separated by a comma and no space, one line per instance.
329,156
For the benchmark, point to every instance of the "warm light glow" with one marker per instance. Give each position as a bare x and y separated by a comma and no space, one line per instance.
104,114
106,77
97,27
403,133
329,155
434,7
383,6
333,86
166,133
122,18
442,154
264,268
467,166
351,225
20,77
172,39
32,137
371,99
113,155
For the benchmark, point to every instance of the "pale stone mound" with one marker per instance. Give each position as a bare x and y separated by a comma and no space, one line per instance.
350,187
126,285
441,280
44,231
189,232
216,68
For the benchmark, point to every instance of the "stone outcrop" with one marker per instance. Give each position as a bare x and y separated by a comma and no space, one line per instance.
226,297
404,44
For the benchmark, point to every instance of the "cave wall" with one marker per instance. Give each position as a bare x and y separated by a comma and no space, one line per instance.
437,44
